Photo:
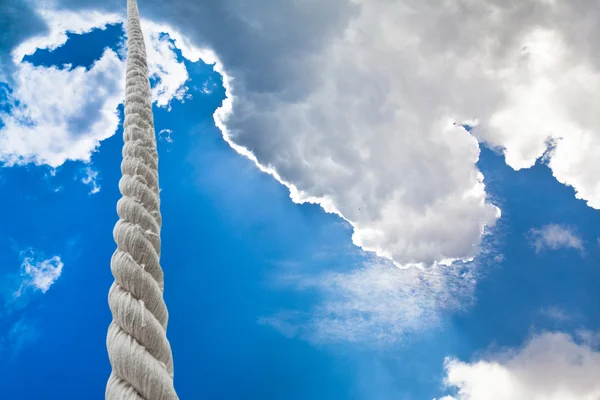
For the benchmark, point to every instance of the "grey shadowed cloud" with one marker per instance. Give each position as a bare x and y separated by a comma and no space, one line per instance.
322,100
352,104
18,21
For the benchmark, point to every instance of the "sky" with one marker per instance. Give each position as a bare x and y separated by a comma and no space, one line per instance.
359,201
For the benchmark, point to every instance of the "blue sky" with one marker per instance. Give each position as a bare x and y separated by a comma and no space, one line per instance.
271,299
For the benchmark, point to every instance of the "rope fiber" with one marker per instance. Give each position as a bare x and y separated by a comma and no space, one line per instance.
137,344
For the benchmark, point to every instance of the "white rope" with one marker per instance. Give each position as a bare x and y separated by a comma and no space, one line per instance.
138,349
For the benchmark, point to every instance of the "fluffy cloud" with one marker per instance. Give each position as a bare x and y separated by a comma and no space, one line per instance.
59,23
329,114
555,237
169,73
551,97
551,366
44,128
347,103
47,128
352,104
356,144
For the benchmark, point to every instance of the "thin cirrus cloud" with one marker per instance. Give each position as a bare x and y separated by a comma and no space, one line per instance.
550,366
555,237
375,305
36,275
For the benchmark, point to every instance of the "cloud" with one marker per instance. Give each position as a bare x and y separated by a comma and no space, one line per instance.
334,119
377,304
169,73
557,314
555,237
59,24
50,129
44,128
18,291
551,366
91,179
21,333
19,22
165,134
410,189
348,104
39,274
357,106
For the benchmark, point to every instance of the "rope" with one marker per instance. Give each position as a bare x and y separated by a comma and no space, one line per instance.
138,349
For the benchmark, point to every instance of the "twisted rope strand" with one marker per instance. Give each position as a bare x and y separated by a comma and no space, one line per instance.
138,348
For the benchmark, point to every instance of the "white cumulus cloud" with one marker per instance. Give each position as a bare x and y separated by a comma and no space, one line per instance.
364,125
551,366
348,103
63,114
170,74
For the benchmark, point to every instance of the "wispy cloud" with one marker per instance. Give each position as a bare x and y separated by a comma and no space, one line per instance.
91,179
165,135
376,304
557,314
20,334
40,274
206,89
18,291
554,237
